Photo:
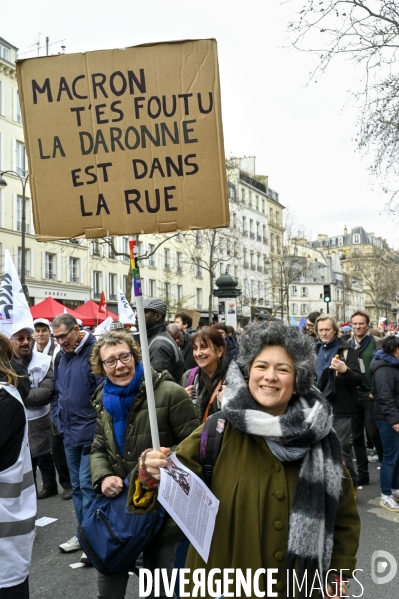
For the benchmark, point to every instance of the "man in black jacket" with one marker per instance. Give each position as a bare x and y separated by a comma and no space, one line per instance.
338,374
164,353
365,345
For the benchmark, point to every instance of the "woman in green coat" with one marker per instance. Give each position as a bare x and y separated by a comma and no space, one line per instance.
286,501
123,433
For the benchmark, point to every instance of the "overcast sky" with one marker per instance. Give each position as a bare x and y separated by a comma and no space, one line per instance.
301,135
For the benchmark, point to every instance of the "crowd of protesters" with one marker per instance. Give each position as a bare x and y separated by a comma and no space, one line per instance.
86,419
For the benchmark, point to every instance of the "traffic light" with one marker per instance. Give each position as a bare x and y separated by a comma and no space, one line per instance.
327,293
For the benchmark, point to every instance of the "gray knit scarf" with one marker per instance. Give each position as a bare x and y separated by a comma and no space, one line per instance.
316,498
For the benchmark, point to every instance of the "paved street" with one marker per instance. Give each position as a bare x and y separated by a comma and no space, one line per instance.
52,577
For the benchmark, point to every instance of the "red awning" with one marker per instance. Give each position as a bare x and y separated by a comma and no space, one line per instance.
89,312
50,308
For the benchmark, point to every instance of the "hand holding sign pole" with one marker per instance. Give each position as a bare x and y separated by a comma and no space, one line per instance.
144,343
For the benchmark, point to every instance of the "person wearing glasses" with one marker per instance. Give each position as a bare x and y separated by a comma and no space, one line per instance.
72,413
123,433
37,405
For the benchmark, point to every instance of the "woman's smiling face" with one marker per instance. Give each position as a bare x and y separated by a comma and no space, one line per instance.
120,374
272,380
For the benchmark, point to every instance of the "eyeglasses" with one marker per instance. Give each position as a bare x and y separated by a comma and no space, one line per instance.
63,336
21,338
124,358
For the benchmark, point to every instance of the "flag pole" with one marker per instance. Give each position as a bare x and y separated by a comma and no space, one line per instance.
144,343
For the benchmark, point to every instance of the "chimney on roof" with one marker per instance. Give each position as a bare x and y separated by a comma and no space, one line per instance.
345,230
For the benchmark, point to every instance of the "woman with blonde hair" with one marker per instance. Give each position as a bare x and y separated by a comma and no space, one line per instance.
123,433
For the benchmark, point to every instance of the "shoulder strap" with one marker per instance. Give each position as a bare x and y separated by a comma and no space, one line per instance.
191,376
210,402
211,441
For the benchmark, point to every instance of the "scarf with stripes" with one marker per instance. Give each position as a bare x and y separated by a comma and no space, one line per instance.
316,497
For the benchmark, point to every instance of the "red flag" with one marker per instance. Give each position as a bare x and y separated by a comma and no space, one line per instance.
103,308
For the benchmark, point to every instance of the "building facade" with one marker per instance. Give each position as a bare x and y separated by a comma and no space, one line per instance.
369,260
306,291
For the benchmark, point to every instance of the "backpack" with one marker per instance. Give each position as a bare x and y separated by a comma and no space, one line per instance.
192,375
113,537
210,444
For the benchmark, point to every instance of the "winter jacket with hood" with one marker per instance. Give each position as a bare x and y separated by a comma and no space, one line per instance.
384,370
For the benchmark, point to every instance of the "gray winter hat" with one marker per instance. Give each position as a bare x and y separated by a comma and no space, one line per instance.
155,305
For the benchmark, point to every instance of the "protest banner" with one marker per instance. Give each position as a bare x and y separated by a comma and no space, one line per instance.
122,142
125,141
14,310
125,312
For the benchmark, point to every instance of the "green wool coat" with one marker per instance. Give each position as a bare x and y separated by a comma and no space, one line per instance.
176,419
256,491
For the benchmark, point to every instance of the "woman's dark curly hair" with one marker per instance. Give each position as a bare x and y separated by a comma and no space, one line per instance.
390,344
298,346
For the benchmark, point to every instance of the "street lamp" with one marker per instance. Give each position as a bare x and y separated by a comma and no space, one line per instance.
24,181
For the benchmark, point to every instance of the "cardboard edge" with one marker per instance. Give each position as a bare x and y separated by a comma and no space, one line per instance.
146,45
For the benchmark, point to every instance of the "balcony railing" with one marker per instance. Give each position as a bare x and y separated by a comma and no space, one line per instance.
21,171
50,274
151,263
265,240
245,233
112,296
252,235
260,269
19,226
259,237
166,265
96,294
96,251
74,279
179,270
26,272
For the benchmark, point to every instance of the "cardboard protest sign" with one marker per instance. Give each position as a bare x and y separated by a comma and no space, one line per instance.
125,141
194,315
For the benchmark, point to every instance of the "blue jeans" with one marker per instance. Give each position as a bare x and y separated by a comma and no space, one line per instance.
389,473
78,459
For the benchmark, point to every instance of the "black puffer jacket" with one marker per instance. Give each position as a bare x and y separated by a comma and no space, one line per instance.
385,387
344,398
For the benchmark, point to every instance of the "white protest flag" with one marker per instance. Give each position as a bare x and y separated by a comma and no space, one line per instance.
126,314
102,328
14,310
